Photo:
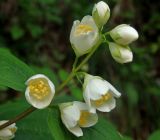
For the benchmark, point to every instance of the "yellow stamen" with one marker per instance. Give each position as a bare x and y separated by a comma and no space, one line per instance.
82,29
39,88
83,118
102,100
13,130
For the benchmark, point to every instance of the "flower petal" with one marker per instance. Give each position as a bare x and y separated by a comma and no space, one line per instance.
113,90
97,88
108,106
88,20
70,115
91,120
77,131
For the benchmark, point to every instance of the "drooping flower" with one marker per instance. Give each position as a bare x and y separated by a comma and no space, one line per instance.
124,34
121,54
84,35
101,13
40,91
75,115
99,94
8,132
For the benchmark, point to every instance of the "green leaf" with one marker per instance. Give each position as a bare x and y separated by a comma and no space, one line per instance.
33,127
16,32
155,135
103,130
76,92
63,74
48,72
35,30
13,72
54,124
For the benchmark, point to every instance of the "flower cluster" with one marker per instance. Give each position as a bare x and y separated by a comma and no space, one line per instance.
98,93
85,34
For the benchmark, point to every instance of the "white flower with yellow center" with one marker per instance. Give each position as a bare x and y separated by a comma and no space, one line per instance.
40,91
8,132
121,54
75,115
124,34
99,94
84,35
101,13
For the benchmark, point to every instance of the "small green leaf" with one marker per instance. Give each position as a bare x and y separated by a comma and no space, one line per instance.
13,72
16,32
35,30
63,74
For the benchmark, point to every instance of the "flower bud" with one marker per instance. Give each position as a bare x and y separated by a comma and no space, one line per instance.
40,91
75,115
8,132
124,34
121,54
84,35
101,13
99,94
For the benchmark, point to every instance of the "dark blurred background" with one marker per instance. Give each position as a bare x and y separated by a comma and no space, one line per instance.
38,31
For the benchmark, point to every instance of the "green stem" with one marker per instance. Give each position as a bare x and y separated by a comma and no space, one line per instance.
72,74
75,63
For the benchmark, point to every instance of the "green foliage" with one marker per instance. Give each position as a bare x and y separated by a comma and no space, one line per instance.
13,72
16,32
35,125
155,135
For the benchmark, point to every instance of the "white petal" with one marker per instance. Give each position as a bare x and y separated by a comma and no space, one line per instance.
85,42
113,90
72,36
5,133
86,97
77,131
37,76
80,105
97,88
91,120
40,104
124,34
102,8
70,115
121,54
108,106
88,20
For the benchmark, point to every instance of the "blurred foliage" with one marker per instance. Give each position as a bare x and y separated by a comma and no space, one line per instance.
38,32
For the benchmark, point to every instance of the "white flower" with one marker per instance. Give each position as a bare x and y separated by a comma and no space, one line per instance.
121,54
124,34
99,94
84,35
8,132
75,115
40,91
101,13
